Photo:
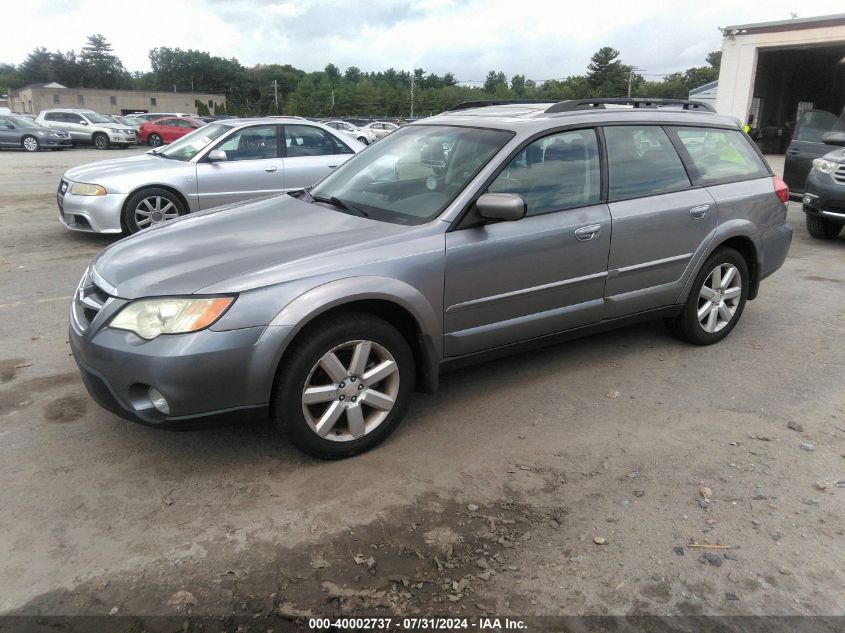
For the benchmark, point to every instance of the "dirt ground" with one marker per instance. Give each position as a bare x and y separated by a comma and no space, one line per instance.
571,480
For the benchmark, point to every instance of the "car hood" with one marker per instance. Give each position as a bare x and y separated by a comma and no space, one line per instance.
239,247
101,171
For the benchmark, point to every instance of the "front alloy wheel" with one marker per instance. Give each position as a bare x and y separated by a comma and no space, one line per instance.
30,144
344,385
350,391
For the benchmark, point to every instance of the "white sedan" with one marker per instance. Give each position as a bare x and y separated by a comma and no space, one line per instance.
381,128
360,134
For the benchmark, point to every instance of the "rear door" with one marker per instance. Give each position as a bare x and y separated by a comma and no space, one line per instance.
310,154
253,168
807,144
512,281
659,219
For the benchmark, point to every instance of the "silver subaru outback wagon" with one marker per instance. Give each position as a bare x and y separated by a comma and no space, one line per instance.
487,229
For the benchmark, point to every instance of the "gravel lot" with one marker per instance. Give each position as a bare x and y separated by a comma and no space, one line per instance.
565,481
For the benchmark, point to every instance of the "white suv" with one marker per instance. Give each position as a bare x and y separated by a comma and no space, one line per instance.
88,127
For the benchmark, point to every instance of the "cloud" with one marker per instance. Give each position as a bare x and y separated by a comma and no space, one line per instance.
542,39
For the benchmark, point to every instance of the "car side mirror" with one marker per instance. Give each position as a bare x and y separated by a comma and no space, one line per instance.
10,126
217,155
507,207
834,138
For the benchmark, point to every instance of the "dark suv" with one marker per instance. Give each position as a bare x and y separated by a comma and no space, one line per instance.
486,229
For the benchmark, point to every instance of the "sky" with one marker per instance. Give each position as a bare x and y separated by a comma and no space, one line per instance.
537,38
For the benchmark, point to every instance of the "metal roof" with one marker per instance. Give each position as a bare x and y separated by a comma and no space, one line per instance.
785,25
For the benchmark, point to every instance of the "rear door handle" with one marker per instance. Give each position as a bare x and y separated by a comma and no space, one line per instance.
587,233
271,169
696,213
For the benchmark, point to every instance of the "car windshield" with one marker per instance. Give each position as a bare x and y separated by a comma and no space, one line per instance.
412,175
192,144
93,117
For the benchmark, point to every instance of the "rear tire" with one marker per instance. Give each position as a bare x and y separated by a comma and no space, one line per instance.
363,140
101,141
299,409
822,229
154,140
30,143
714,305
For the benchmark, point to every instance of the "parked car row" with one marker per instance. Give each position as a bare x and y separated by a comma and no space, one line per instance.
814,169
468,235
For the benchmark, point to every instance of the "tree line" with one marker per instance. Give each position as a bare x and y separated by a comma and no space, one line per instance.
283,89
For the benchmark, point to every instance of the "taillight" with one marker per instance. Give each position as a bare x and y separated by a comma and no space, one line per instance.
781,189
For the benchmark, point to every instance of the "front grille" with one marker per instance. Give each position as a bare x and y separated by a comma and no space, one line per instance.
88,301
839,175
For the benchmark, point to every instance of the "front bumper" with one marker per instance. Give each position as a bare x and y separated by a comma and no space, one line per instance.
207,377
824,197
52,141
123,139
91,214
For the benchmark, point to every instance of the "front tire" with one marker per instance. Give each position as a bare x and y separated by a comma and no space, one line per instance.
150,207
822,229
716,301
154,140
101,141
345,386
30,143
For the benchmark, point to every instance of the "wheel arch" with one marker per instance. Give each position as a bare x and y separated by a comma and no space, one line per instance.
141,188
397,303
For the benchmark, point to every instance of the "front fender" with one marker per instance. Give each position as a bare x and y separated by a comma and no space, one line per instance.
333,294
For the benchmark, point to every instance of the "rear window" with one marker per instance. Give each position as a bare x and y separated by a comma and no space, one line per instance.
642,161
721,155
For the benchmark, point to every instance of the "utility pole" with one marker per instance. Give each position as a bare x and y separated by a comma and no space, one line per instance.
276,93
631,79
412,94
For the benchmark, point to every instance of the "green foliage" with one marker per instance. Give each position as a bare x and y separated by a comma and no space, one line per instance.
283,89
202,109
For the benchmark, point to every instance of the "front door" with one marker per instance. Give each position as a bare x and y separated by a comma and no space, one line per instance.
513,281
9,135
659,220
252,169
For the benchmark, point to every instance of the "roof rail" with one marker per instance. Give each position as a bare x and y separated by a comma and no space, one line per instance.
483,103
636,102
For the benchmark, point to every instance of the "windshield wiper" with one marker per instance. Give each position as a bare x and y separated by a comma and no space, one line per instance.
341,204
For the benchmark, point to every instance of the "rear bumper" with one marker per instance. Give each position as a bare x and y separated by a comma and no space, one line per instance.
774,246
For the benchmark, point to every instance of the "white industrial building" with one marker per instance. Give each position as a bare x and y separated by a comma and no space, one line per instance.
776,70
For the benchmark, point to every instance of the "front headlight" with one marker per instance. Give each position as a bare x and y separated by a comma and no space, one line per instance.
85,189
824,166
127,131
170,315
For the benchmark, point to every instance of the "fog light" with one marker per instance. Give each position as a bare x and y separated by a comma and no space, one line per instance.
159,401
810,199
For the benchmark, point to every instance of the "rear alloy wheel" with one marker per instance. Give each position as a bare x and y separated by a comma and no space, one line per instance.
821,228
154,140
151,207
716,300
101,141
363,139
30,143
345,387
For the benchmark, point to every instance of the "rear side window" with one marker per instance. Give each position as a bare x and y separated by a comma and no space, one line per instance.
642,162
306,140
554,173
721,155
52,116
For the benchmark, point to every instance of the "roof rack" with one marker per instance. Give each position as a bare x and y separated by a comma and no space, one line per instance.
483,103
636,102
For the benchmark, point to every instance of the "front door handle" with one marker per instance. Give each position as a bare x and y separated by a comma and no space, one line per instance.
270,170
696,213
333,166
793,152
587,233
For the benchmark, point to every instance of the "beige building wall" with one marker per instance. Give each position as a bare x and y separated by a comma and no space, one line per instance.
739,60
33,99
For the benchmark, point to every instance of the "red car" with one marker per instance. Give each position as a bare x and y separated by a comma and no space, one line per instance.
167,129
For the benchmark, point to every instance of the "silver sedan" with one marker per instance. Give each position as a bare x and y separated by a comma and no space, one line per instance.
222,163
